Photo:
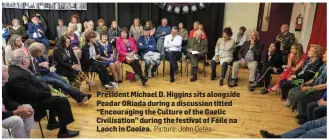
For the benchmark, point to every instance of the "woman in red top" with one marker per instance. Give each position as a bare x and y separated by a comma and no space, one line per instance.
127,51
296,59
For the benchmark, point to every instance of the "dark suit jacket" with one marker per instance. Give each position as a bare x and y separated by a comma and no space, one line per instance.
26,88
87,62
274,61
64,62
257,49
9,104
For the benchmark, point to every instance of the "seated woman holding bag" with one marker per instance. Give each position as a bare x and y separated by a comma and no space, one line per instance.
108,54
67,63
91,60
128,54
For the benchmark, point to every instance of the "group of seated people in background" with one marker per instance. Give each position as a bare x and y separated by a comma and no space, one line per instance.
77,53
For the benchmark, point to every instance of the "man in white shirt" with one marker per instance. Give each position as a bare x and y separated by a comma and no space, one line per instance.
173,48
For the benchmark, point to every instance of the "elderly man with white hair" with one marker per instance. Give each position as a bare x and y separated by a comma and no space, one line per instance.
162,31
16,117
249,56
197,48
37,93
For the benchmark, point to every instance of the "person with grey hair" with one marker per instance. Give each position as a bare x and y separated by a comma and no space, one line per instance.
17,29
162,31
37,93
40,67
16,117
90,27
173,47
249,56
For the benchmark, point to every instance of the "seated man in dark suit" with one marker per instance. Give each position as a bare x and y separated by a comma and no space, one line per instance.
197,48
271,64
249,56
39,67
18,118
37,94
37,32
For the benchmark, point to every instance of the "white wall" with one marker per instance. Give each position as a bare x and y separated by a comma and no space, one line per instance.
307,11
241,14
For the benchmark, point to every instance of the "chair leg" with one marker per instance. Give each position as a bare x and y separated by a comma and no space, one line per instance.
9,133
41,129
181,68
157,71
164,64
122,71
204,68
186,68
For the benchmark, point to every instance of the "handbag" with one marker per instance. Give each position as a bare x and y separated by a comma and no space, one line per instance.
132,77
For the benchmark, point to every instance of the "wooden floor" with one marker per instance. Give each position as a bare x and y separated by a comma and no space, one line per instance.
253,110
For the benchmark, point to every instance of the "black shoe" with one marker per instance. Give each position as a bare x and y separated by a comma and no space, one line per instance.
88,95
81,99
120,81
172,79
152,74
221,82
68,134
264,91
144,80
213,77
52,126
233,83
251,86
194,78
297,117
266,134
302,120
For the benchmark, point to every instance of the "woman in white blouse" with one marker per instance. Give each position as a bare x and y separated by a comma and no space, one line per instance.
223,54
74,20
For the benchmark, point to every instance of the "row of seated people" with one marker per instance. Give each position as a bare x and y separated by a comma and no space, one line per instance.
27,95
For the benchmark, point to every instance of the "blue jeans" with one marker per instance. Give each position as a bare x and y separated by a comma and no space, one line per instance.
148,64
54,79
311,129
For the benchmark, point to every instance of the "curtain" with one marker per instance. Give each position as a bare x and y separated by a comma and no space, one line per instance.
319,30
94,12
211,17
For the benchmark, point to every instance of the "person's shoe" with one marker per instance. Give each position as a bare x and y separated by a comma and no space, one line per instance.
152,74
251,86
52,126
172,79
114,85
263,91
297,117
120,81
286,103
233,83
144,80
212,77
194,78
81,99
301,121
88,95
266,134
221,82
68,134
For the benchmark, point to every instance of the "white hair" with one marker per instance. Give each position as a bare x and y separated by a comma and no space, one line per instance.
18,57
164,19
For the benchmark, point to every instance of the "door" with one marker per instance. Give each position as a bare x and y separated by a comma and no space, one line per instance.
270,18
